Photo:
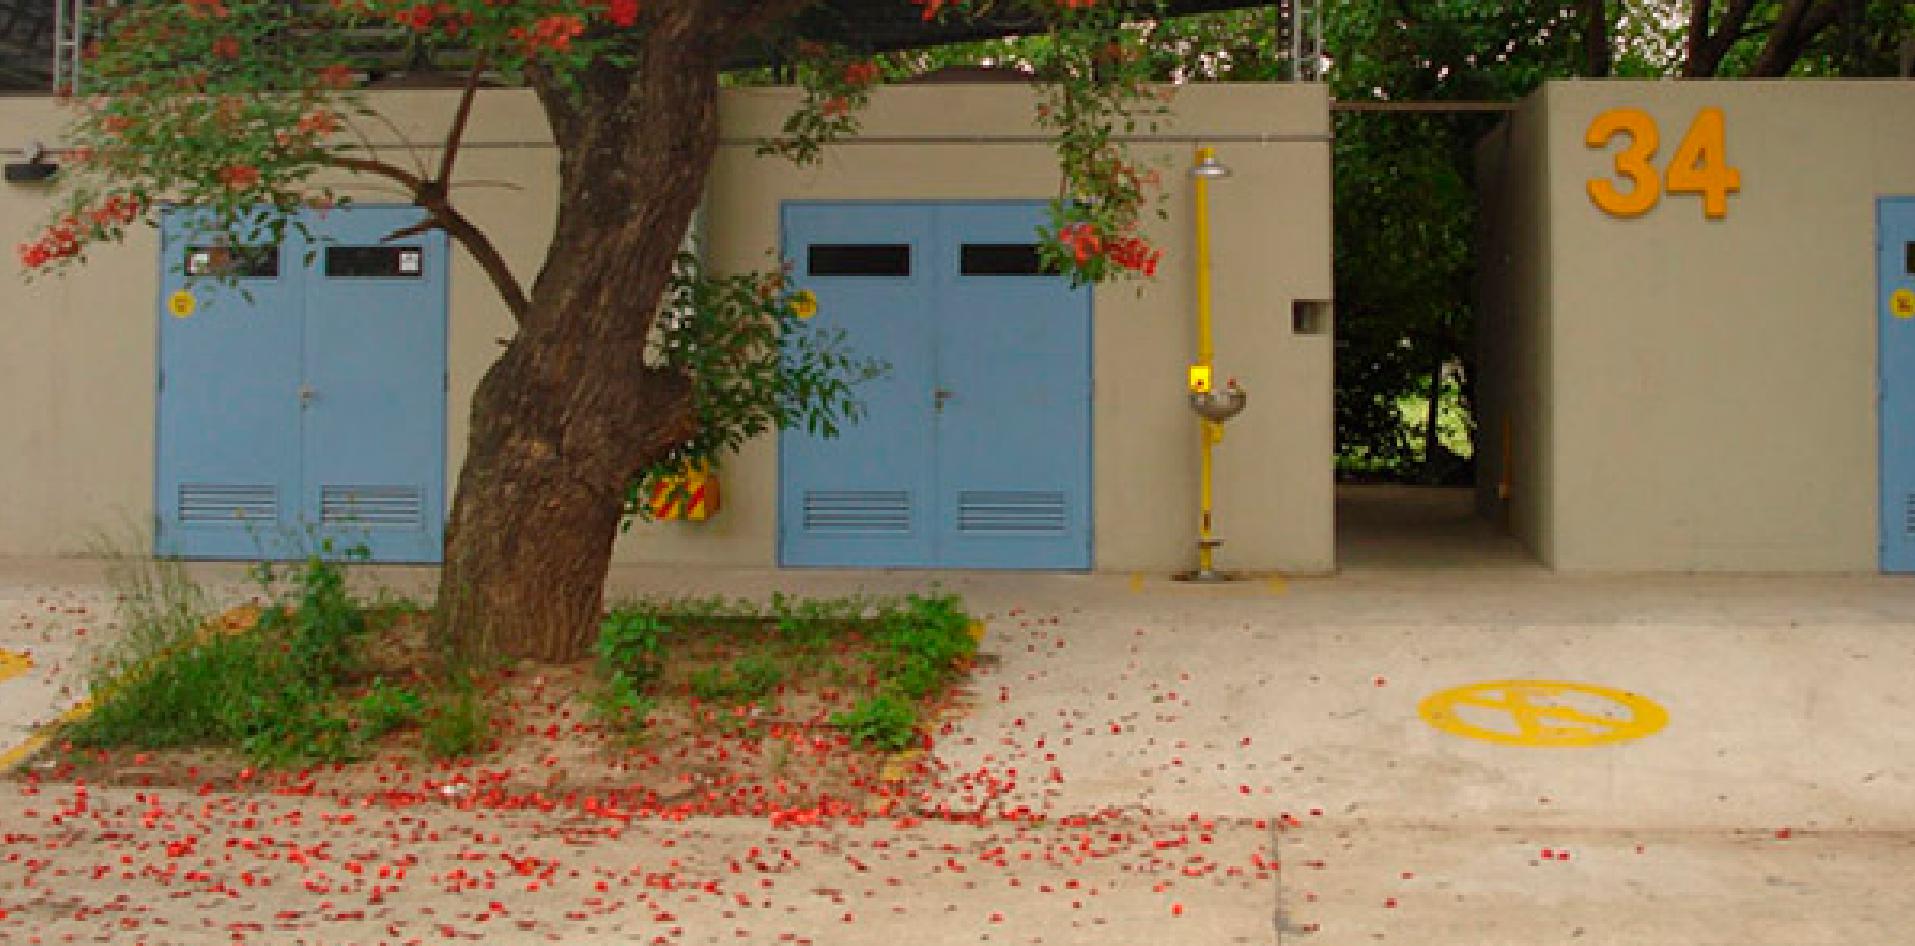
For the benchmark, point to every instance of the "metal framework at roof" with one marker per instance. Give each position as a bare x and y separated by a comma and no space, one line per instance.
40,40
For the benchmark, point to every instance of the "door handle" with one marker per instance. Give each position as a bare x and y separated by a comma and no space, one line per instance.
939,396
306,395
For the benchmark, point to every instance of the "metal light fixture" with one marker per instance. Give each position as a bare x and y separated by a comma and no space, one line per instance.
1209,168
35,169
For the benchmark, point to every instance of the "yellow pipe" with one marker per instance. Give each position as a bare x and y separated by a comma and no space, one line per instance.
1204,353
1208,431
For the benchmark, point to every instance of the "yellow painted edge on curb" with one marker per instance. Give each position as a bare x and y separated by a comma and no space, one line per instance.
44,735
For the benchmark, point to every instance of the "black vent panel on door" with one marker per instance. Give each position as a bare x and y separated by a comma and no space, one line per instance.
206,502
858,512
372,507
1035,511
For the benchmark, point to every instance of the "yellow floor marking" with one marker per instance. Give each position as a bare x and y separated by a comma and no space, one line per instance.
13,664
43,735
1541,717
1278,585
1136,582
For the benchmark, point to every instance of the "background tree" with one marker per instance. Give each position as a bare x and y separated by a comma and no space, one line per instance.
241,107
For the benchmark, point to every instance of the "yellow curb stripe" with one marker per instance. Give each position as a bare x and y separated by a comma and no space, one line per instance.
44,735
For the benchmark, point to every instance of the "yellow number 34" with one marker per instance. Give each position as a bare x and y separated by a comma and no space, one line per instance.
1701,165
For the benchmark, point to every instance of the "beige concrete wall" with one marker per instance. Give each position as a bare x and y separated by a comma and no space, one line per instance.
76,442
76,378
1714,380
1513,311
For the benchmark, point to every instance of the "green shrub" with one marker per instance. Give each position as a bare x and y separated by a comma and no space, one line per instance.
886,721
270,691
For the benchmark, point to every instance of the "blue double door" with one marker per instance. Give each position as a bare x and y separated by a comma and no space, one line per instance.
974,451
1895,314
302,403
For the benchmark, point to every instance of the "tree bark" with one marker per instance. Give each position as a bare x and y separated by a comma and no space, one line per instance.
570,414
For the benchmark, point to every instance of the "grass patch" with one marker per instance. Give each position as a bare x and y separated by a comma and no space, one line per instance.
737,656
280,682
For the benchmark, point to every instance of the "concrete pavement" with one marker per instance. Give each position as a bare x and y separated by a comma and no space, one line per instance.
1176,741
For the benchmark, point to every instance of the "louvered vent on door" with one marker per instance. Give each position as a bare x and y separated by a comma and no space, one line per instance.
1908,514
1013,511
858,512
372,507
210,502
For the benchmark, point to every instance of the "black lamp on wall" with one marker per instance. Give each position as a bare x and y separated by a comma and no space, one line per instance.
35,169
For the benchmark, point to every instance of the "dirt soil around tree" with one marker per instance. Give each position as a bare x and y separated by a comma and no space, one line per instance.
547,747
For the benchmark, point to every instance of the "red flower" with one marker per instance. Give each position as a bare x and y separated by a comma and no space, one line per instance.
226,47
319,122
860,74
239,176
622,12
335,76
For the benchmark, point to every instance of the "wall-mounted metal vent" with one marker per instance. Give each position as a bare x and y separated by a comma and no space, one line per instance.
858,512
210,502
372,507
1014,511
1908,514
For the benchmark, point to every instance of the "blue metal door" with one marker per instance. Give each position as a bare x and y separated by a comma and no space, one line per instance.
975,448
1895,312
227,460
307,405
867,496
374,395
1012,404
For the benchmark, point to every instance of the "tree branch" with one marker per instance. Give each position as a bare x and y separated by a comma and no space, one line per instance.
413,182
1706,49
485,254
1698,32
1795,27
459,122
433,199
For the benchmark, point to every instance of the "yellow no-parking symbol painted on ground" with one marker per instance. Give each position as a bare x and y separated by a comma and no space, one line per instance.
1543,713
13,665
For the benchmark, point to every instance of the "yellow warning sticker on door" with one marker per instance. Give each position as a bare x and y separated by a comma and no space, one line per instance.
1543,713
804,303
1902,303
181,304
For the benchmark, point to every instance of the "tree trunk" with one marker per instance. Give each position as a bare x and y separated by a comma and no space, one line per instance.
1597,57
570,414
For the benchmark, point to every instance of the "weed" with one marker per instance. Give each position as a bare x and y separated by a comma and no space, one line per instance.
631,641
620,703
456,723
886,721
750,679
384,708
